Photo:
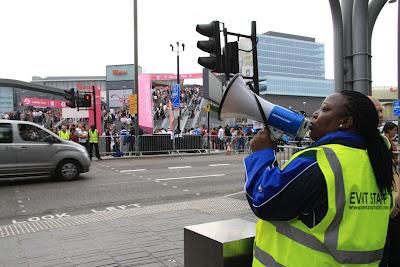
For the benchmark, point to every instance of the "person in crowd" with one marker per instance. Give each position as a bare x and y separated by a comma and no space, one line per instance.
317,209
379,109
64,133
391,255
108,140
221,138
83,136
73,136
93,135
389,133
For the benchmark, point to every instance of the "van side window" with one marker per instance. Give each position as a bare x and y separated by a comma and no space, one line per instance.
5,133
31,133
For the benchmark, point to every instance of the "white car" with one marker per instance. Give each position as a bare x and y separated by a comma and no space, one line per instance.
28,150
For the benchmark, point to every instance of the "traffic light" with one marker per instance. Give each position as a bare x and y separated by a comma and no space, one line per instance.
87,100
84,101
70,96
231,52
212,46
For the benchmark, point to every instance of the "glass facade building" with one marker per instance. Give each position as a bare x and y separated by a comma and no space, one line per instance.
292,65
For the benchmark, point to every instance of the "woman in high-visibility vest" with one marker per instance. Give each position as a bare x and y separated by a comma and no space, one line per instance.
93,142
329,204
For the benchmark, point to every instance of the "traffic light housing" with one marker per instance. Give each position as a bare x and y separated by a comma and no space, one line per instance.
71,97
84,101
212,46
231,53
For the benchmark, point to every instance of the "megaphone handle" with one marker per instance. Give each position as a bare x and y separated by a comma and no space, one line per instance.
261,111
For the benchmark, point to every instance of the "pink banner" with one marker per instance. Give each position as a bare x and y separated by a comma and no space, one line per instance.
173,76
97,102
145,103
43,103
171,115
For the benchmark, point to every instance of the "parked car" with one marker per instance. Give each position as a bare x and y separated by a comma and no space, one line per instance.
28,150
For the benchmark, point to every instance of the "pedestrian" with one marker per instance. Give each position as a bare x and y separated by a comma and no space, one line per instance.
389,132
73,136
94,142
64,133
83,137
319,208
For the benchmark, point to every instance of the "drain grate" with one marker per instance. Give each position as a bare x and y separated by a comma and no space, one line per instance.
212,206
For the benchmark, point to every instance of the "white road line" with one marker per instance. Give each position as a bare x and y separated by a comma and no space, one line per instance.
191,177
241,192
179,167
216,165
137,170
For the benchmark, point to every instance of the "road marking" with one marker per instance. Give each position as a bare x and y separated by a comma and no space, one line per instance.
216,165
179,167
185,190
241,192
191,177
137,170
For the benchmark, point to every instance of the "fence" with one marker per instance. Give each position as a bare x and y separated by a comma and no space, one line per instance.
123,145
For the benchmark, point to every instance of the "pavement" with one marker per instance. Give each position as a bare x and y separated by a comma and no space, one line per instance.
151,236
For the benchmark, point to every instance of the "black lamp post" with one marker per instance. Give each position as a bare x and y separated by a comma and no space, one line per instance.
398,54
177,76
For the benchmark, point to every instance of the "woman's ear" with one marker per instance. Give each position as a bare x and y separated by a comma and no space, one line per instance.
347,123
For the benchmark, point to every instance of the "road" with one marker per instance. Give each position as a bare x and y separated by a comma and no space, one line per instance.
123,184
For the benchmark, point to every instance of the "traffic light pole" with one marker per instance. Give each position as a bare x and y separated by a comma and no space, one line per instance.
226,57
94,106
255,58
136,77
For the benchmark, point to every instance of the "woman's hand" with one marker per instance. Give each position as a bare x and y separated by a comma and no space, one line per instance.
261,140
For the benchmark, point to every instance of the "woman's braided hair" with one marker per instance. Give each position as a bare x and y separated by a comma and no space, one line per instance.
365,120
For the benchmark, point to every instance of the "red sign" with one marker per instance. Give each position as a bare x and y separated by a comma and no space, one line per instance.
82,87
119,72
173,76
43,103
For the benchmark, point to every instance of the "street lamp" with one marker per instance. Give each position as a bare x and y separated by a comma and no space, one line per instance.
398,54
177,77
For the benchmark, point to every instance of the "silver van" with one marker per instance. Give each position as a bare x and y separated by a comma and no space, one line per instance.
28,150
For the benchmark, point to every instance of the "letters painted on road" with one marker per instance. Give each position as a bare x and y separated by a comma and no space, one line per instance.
121,207
45,217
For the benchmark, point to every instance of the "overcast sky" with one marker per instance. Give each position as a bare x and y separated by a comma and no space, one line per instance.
80,37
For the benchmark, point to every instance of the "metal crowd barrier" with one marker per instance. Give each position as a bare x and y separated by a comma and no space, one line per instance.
125,145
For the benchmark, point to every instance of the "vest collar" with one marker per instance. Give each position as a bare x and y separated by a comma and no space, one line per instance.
342,138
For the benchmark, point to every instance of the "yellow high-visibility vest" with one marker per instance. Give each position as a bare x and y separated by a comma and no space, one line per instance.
63,135
353,231
93,136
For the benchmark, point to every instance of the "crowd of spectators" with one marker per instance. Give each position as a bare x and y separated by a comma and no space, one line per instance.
162,95
44,117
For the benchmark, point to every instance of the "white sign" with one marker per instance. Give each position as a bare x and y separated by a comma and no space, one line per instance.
73,113
118,98
6,100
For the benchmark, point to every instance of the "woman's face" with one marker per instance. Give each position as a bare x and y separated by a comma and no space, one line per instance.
328,118
393,133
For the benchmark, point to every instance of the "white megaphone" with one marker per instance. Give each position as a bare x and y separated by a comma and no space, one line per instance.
239,101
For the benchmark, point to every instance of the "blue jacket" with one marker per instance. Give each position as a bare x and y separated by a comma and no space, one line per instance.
297,191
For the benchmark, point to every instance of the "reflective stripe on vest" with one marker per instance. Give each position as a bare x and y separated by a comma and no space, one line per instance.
93,136
331,238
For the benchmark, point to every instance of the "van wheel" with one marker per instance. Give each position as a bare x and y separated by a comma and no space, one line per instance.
68,170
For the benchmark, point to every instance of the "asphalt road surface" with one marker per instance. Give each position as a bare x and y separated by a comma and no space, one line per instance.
123,184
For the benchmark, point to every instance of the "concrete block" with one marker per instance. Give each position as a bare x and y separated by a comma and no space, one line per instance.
226,243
